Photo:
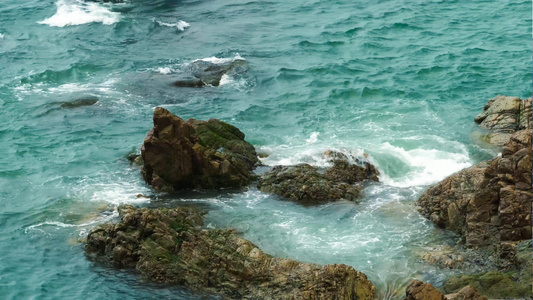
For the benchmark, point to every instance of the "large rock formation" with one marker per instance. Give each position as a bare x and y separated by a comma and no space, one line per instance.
169,245
489,204
307,184
195,154
503,116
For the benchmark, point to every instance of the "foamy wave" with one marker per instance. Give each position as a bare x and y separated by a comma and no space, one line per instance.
78,12
426,166
181,25
289,155
217,60
313,138
164,71
1,36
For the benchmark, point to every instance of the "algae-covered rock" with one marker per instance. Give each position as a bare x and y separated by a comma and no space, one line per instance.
169,246
180,154
305,184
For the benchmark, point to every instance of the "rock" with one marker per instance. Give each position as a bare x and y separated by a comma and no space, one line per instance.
505,115
489,203
466,293
196,154
418,290
343,171
206,72
86,101
169,246
304,184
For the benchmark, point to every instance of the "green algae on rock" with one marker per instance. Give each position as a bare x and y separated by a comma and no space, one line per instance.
170,246
180,154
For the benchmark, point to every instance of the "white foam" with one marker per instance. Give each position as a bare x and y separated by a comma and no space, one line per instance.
313,138
181,25
427,166
1,36
217,60
75,12
165,70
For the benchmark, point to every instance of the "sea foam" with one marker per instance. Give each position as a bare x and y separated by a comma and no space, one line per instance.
181,25
78,12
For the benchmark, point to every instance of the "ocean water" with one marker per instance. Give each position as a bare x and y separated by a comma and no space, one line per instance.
398,80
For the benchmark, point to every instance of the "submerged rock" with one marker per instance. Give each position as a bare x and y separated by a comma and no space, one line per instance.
206,72
169,246
504,115
488,204
180,154
85,101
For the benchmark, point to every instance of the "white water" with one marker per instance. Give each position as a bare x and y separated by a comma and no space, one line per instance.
75,12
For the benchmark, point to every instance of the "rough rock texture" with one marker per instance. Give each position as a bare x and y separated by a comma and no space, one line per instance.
307,184
505,115
195,154
466,293
168,245
418,290
488,204
304,184
515,281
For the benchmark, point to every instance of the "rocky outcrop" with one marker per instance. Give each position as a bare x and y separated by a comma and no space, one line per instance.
504,115
488,204
308,184
180,154
169,246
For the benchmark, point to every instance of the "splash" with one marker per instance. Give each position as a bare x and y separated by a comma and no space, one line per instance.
77,13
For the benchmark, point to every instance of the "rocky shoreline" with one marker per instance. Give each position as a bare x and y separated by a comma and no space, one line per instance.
488,205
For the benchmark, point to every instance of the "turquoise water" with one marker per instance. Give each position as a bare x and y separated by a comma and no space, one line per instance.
399,80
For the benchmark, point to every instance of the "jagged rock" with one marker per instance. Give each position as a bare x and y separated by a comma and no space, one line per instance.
305,184
169,246
418,290
504,115
195,154
489,203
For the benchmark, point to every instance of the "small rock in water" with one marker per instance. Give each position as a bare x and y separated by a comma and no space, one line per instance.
85,101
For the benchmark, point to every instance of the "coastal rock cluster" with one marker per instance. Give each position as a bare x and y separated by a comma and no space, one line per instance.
170,246
418,290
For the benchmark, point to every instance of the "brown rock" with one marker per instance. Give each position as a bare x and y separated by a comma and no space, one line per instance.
418,290
169,246
488,203
466,293
195,154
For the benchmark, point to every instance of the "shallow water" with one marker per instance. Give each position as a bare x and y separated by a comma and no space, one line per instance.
399,80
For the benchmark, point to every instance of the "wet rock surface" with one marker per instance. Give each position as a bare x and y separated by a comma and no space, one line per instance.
180,154
418,290
308,184
204,72
170,246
